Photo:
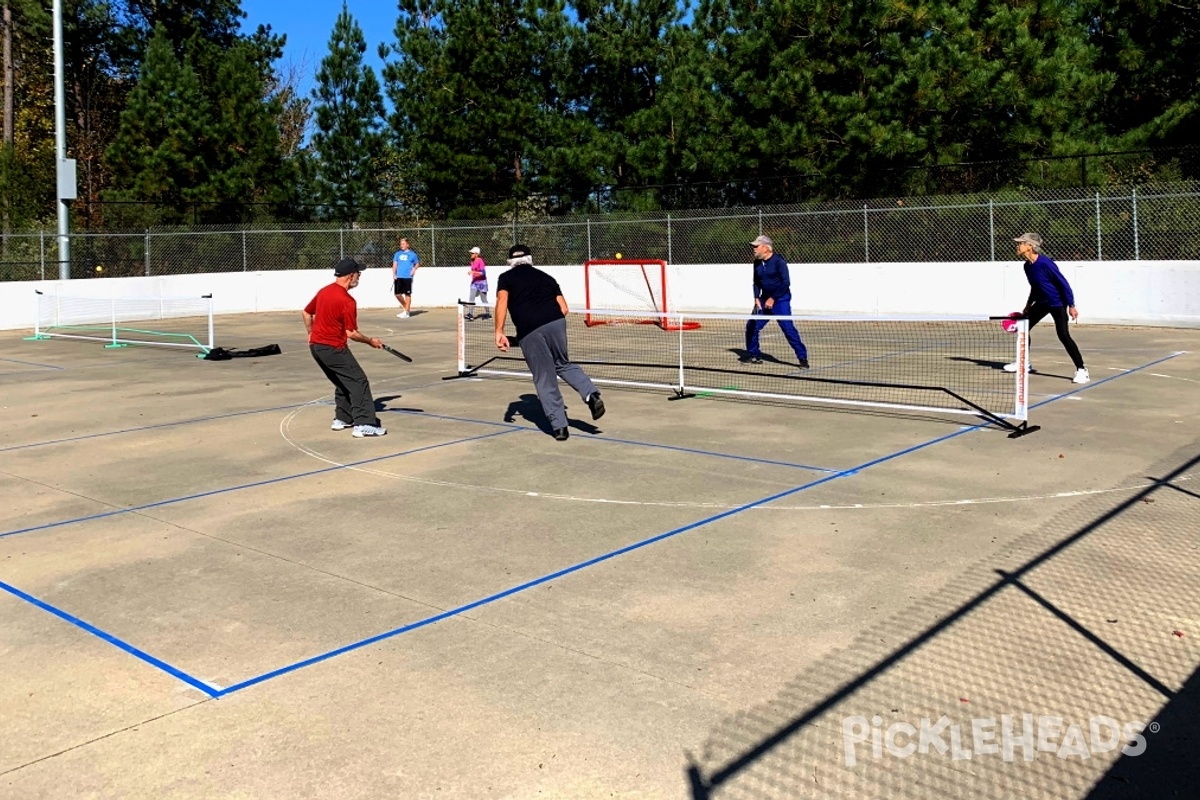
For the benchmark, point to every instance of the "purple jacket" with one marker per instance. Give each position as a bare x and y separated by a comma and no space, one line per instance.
1047,285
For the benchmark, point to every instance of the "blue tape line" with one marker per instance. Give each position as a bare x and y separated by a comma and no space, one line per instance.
635,546
1103,381
634,442
212,692
174,672
580,566
30,364
255,484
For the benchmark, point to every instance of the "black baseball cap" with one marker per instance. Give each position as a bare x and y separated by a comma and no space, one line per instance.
518,250
347,266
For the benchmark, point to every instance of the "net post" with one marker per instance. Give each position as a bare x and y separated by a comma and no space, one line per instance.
211,332
462,351
113,306
206,349
682,379
37,318
1021,411
681,392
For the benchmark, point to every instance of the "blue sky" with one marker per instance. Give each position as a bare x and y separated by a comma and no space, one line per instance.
308,25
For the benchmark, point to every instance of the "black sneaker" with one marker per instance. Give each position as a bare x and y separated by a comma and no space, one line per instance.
804,364
596,405
562,434
750,360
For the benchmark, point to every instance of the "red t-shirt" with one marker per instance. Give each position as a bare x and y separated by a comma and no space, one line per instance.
334,312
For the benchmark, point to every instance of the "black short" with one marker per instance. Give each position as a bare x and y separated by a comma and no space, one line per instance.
403,286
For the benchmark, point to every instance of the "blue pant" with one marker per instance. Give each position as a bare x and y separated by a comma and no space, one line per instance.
782,308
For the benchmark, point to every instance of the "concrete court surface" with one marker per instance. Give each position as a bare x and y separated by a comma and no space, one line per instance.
208,593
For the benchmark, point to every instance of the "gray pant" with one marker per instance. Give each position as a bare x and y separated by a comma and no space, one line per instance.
352,390
545,350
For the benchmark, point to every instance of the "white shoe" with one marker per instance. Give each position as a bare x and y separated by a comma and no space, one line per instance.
402,315
1081,376
338,425
1013,367
361,431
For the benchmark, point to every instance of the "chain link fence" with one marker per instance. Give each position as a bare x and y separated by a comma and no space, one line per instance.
1146,223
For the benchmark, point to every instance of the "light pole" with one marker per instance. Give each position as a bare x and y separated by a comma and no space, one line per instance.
64,167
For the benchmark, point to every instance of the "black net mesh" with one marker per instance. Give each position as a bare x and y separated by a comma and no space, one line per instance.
916,364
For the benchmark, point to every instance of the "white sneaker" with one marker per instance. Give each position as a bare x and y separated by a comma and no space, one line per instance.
1013,367
338,425
402,315
1081,376
361,431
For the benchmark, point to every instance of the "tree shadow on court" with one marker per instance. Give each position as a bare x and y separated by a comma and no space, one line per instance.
1070,622
529,408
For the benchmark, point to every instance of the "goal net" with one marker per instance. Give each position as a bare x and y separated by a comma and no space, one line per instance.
185,322
631,290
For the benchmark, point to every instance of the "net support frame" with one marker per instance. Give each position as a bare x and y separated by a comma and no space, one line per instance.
116,334
1016,421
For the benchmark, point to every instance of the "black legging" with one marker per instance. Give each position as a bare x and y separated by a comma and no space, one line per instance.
1038,312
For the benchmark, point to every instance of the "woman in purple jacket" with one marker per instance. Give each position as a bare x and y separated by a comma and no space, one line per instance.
1049,293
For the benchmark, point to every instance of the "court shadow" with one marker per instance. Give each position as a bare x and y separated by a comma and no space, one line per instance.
529,408
1168,767
1005,623
381,403
767,358
981,362
586,427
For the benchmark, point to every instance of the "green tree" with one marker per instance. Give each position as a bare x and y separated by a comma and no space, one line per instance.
158,152
626,50
1151,46
349,141
180,146
477,92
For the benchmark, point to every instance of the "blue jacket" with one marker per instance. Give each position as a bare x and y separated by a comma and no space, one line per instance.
771,279
1047,285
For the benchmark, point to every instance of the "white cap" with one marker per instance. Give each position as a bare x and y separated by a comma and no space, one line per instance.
475,250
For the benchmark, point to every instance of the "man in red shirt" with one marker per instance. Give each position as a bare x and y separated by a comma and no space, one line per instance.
332,319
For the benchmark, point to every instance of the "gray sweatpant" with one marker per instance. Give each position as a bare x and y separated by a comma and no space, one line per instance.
351,390
545,350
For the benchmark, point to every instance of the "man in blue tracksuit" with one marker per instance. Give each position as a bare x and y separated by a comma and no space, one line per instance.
1049,293
772,297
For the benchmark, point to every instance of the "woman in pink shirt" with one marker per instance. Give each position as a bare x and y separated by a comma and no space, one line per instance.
479,287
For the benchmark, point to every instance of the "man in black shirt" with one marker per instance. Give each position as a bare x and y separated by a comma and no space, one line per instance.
539,313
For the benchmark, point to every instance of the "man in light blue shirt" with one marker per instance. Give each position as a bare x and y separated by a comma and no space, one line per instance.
405,264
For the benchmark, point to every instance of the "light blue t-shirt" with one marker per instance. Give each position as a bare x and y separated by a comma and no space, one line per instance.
404,261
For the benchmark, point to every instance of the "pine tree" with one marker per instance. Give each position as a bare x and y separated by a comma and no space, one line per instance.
158,153
1151,46
478,92
627,49
349,141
